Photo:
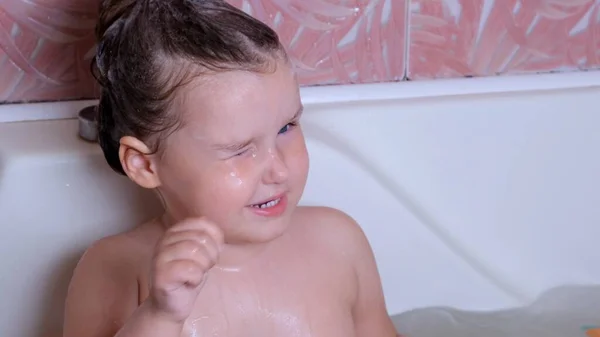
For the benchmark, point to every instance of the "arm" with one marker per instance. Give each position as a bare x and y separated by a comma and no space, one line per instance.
102,300
370,314
369,310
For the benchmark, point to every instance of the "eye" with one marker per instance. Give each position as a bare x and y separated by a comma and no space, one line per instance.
241,152
244,151
286,128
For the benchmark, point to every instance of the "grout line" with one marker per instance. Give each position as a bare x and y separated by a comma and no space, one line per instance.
406,39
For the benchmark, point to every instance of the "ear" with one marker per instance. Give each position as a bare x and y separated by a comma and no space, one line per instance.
138,162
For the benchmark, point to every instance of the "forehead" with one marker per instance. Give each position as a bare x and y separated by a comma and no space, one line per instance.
239,98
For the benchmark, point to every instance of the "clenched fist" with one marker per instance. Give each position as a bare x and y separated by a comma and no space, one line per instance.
183,256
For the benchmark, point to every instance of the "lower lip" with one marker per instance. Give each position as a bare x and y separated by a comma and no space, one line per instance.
276,210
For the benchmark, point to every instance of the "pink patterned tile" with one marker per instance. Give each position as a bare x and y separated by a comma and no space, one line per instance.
453,38
44,49
339,41
45,45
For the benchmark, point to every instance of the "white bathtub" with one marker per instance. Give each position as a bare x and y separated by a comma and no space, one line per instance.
478,194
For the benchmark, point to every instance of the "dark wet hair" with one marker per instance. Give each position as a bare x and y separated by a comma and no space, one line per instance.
149,48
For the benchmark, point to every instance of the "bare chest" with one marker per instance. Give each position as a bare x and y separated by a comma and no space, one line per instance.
280,302
292,292
276,320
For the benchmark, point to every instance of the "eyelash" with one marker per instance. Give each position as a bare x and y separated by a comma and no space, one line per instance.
281,131
241,152
288,126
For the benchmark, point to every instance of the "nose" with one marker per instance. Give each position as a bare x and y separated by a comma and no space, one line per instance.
276,171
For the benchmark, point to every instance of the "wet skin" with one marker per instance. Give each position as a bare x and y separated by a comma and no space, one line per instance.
234,254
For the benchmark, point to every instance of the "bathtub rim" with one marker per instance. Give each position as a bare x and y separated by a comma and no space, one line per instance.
353,93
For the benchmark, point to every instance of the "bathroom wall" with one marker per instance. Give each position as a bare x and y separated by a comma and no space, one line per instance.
46,45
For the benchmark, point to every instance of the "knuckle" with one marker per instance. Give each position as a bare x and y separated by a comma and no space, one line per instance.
177,269
160,282
160,259
200,255
202,238
200,222
188,245
204,262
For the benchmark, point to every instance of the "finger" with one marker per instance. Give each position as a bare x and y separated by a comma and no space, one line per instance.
215,233
191,224
188,250
179,273
199,238
200,224
212,249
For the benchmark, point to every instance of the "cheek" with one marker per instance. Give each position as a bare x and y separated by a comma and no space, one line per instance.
231,181
297,155
235,177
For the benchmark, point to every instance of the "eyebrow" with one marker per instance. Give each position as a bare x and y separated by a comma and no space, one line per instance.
232,147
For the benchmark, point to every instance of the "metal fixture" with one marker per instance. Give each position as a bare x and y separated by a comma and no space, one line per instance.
87,123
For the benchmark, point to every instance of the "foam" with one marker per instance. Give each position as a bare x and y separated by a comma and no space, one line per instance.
568,311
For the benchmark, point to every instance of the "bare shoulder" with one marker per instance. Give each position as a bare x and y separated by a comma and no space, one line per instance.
104,290
121,250
339,243
333,216
335,227
122,256
342,238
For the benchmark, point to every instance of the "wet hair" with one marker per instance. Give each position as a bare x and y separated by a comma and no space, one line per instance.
147,49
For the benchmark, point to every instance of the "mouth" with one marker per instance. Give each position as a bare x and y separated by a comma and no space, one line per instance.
268,204
270,208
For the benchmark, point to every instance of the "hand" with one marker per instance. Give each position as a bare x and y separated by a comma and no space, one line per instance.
183,257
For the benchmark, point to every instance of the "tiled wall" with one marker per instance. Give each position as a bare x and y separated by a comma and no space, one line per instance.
45,45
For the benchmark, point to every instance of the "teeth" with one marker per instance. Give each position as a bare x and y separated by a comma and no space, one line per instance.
267,204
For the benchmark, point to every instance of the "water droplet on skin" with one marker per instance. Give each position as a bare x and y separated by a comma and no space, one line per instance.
230,269
236,179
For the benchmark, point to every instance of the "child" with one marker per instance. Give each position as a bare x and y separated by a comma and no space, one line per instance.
200,103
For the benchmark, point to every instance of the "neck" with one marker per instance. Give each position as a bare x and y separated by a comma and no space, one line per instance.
234,256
